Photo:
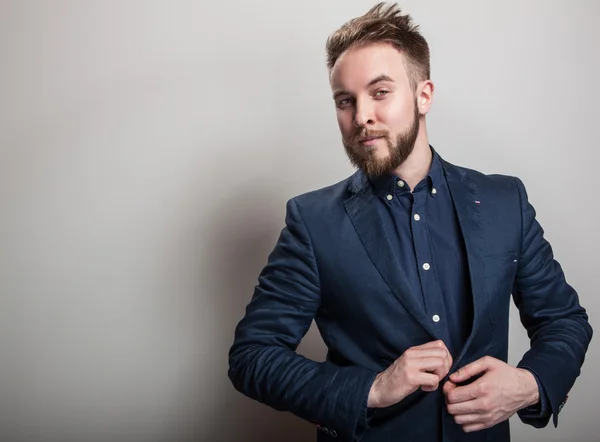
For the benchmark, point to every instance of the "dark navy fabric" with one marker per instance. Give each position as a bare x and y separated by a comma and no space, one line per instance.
336,263
423,230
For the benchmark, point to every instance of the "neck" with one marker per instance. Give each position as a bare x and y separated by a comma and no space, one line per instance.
417,165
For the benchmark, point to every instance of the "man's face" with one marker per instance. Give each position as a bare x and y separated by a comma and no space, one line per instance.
377,110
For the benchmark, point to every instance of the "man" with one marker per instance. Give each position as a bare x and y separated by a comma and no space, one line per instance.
407,268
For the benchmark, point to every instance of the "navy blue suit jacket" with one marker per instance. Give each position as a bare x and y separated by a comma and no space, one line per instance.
334,264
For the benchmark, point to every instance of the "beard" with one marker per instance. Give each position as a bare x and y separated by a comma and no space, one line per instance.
365,157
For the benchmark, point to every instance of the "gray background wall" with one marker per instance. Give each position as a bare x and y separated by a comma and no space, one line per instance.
146,153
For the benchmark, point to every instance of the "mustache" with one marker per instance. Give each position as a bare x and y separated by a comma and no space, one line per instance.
369,133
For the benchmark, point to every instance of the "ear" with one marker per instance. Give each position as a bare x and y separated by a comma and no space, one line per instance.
425,96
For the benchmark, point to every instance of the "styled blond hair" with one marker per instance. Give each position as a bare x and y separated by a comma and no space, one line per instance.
384,23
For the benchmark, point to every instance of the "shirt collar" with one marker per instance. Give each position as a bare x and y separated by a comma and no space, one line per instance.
387,184
436,173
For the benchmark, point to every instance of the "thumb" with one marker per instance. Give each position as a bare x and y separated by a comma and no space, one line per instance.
448,387
470,370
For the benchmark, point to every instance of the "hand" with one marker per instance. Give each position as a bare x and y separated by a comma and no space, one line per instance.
423,366
493,398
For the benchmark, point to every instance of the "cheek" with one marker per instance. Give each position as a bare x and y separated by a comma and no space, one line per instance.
344,120
395,114
390,110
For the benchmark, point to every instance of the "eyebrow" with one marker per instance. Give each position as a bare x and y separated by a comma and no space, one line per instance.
375,80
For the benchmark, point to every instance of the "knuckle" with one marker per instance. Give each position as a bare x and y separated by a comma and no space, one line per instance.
448,362
447,369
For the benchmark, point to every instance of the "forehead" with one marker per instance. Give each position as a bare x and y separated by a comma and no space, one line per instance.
356,67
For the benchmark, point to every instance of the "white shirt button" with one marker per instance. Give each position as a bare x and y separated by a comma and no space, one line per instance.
417,217
400,183
426,266
436,318
389,197
433,191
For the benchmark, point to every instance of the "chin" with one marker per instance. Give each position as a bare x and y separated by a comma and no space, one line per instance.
381,153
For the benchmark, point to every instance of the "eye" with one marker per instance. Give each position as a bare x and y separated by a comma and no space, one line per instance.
345,102
381,93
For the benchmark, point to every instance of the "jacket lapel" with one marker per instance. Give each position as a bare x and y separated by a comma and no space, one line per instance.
369,226
467,202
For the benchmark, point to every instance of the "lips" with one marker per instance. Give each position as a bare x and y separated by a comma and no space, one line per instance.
367,139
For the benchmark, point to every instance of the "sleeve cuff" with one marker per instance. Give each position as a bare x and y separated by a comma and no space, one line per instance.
365,417
540,409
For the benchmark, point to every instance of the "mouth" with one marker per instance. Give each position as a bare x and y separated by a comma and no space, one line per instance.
369,141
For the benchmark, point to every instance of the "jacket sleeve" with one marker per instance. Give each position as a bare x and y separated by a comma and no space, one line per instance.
557,325
263,363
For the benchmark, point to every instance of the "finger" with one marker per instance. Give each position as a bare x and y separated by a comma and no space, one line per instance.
448,387
472,369
468,407
427,381
474,427
469,419
440,345
435,365
432,344
437,352
430,388
413,354
442,370
433,351
463,394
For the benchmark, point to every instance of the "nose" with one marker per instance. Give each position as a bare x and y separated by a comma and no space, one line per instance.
363,114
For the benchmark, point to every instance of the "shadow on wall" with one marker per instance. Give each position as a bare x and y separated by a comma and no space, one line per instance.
243,232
